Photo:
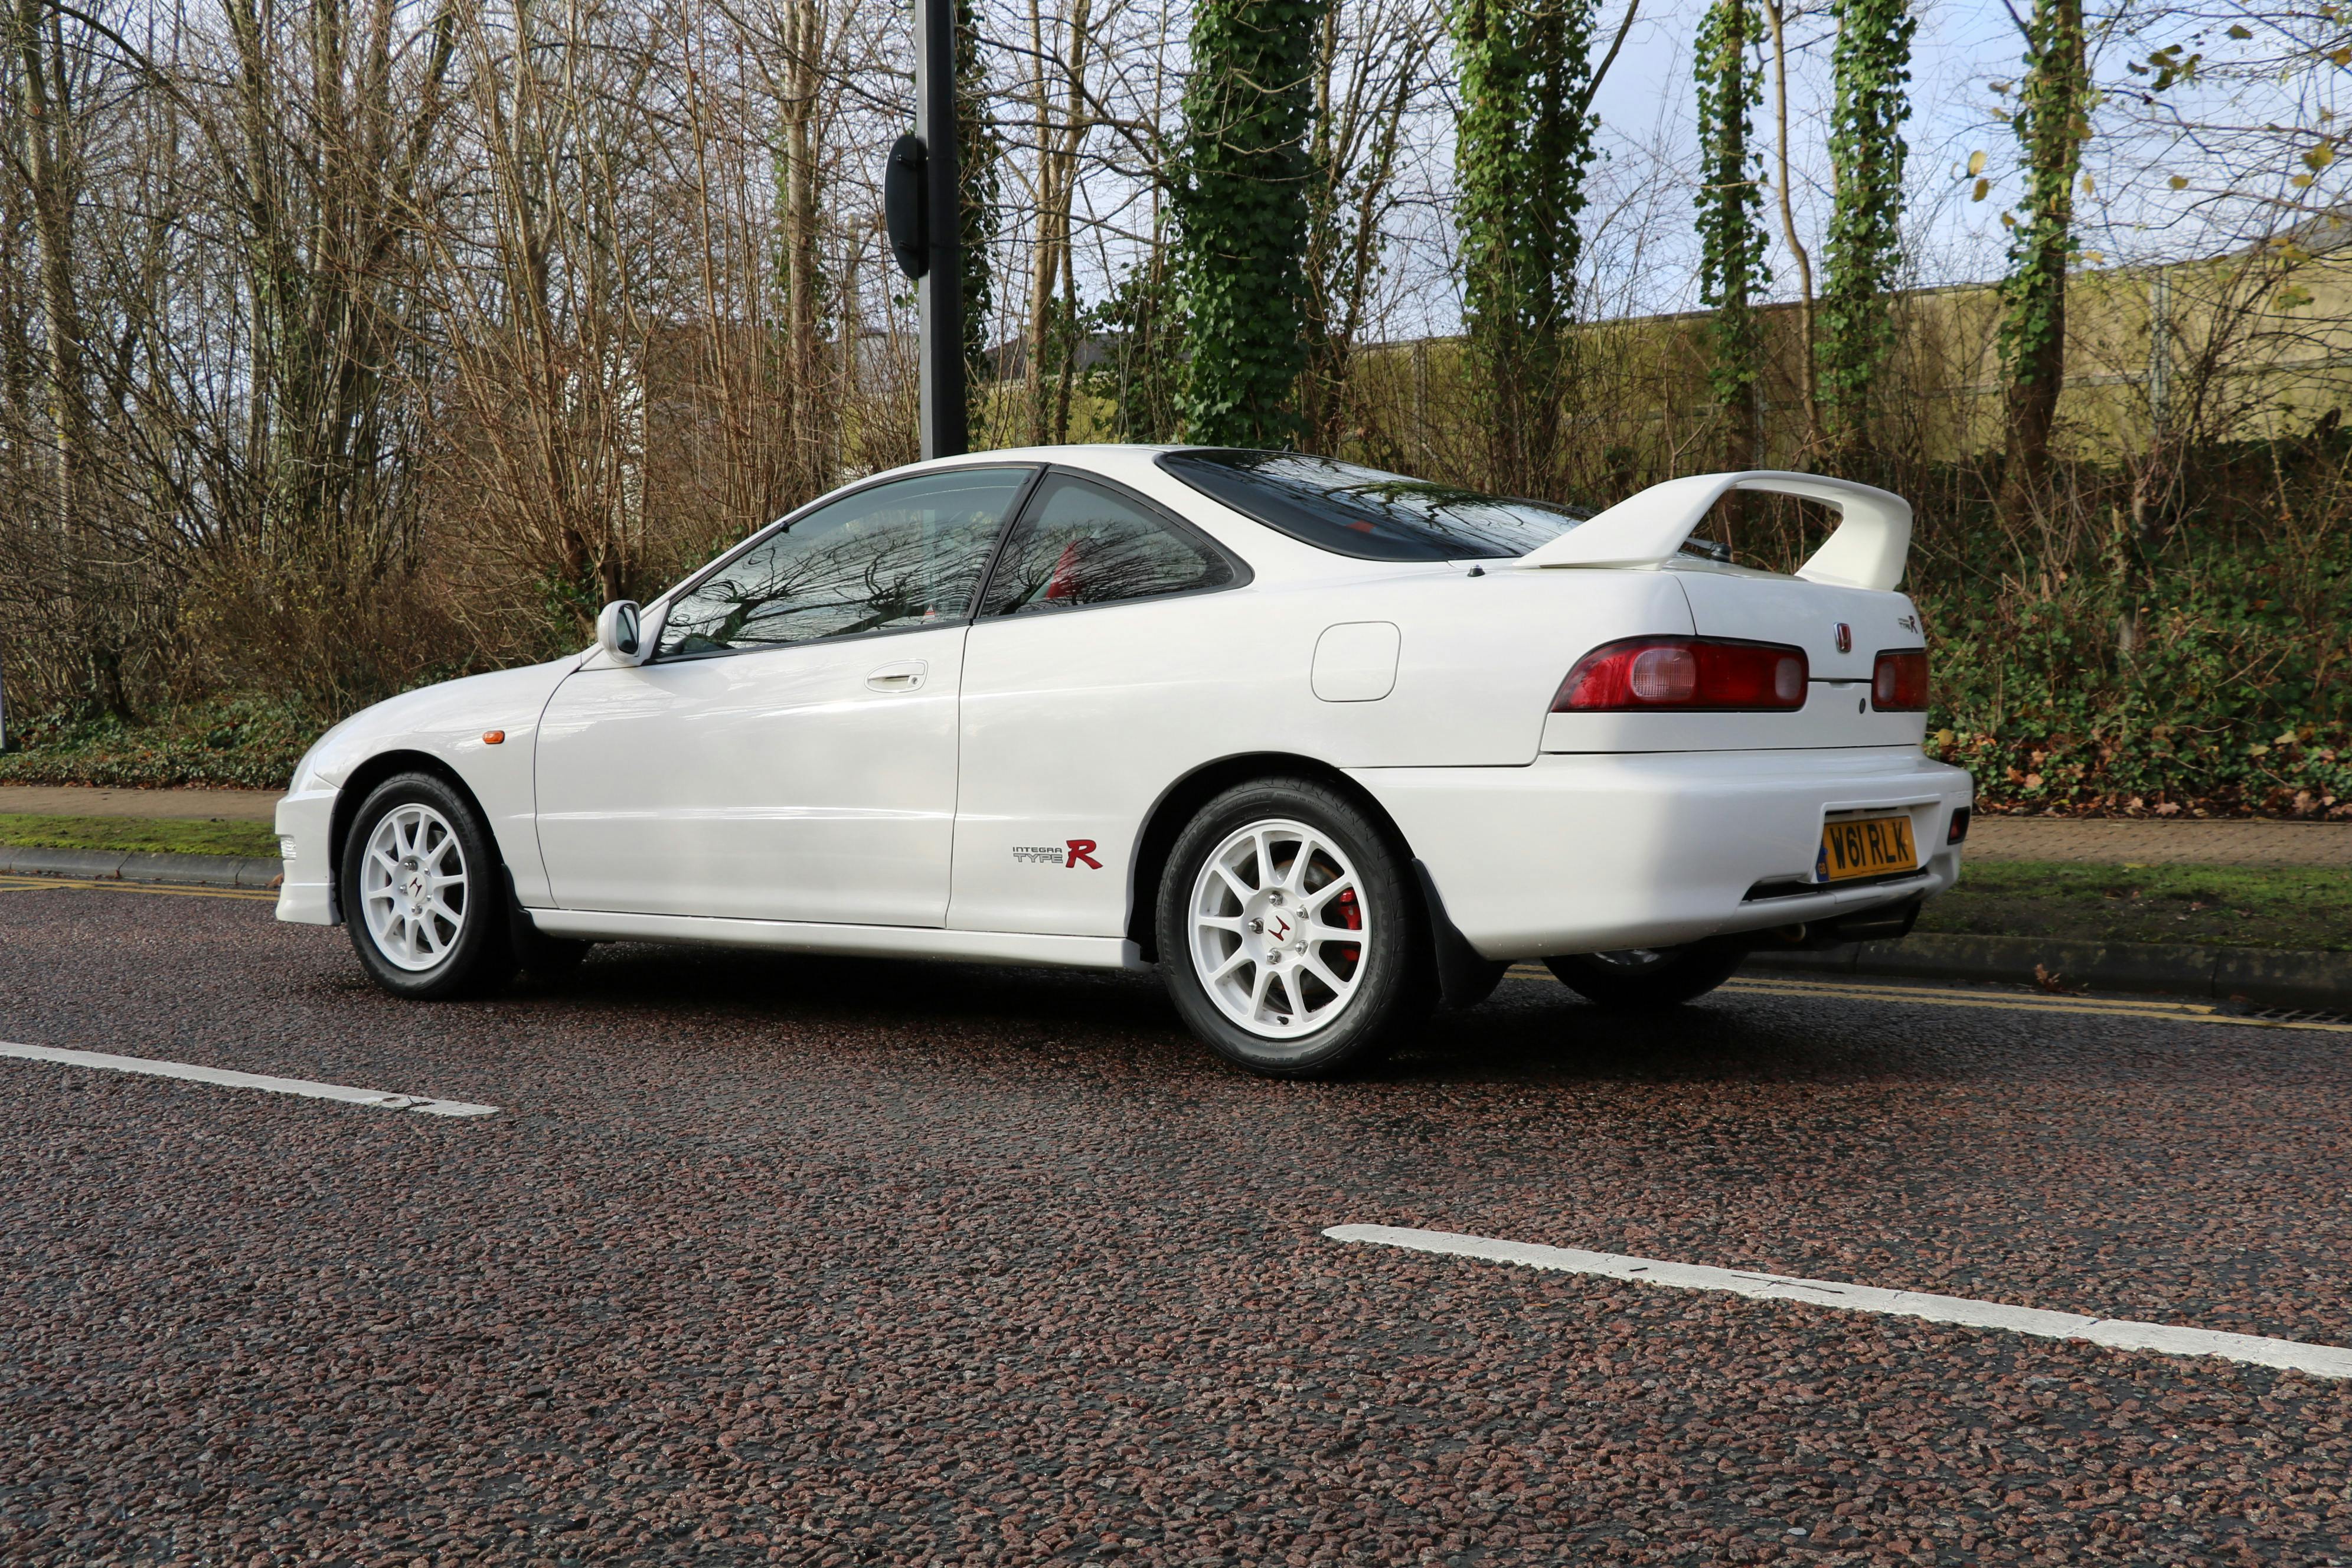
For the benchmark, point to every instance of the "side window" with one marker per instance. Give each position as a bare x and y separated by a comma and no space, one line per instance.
1081,545
907,553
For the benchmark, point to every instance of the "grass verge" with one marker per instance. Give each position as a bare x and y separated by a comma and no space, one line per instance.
154,836
2227,906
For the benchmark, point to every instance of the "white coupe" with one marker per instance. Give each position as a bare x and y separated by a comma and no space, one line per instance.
1324,746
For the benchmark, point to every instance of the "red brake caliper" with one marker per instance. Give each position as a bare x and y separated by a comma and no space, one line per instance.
1352,918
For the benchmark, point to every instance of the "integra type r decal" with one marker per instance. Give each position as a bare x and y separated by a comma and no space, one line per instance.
1070,854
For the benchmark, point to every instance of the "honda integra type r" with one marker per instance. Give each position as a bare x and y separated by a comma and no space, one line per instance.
1324,746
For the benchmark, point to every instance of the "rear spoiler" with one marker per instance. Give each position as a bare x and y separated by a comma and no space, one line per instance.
1873,536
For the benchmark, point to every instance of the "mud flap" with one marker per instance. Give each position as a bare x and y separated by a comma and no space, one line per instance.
1465,977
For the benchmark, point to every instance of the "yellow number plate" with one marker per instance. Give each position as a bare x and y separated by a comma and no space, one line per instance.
1865,846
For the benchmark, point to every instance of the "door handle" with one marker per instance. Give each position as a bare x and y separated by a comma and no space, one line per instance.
904,676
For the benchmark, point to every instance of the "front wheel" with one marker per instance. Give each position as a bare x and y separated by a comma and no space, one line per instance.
1289,935
1640,977
420,881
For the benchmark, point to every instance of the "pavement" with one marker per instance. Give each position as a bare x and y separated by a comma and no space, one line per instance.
783,1260
2147,841
204,804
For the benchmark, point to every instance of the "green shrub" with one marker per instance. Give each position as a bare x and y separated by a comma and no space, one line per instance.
241,742
2212,683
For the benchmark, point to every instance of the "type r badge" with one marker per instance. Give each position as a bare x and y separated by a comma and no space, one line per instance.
1844,637
1069,855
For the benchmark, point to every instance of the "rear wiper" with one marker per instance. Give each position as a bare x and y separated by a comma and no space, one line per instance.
1707,550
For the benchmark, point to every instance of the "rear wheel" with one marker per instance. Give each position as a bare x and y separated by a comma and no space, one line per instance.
1289,937
421,882
1649,976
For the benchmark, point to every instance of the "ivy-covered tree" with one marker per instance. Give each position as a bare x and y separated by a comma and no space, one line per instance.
1732,273
1870,67
1522,146
1241,211
980,152
2051,122
1141,329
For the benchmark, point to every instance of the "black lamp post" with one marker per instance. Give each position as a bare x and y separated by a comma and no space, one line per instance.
921,204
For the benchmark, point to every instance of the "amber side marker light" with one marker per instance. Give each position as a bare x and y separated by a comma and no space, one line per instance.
494,737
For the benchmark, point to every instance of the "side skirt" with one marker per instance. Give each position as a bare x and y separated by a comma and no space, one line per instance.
854,940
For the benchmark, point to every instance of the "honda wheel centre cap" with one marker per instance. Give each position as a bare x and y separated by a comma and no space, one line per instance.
1272,925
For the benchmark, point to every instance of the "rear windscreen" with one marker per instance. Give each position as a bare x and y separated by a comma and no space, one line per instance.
1368,514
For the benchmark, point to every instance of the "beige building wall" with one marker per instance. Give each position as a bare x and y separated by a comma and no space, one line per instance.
2243,347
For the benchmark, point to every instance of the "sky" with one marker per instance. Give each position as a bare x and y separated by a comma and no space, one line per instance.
2129,210
1646,109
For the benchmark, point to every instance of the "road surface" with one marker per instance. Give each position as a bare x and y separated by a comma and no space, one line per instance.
763,1260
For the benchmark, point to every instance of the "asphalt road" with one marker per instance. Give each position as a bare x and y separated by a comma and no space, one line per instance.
826,1262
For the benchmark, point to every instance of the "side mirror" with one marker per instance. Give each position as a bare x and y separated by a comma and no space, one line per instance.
620,633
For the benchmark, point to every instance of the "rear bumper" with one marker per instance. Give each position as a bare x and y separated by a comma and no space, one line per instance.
307,896
1595,852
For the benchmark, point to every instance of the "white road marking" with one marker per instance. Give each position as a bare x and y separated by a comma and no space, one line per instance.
373,1096
2117,1334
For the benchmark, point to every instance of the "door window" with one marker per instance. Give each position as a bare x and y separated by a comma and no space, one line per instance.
893,556
1081,545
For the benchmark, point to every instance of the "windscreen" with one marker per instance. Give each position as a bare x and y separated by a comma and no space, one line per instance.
1366,513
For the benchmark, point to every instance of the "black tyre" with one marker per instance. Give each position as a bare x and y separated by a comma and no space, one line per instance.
1651,976
423,891
1290,935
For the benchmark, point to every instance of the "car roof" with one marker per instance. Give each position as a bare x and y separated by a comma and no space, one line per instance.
1270,551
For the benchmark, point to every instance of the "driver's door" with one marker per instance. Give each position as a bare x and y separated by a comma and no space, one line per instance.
789,752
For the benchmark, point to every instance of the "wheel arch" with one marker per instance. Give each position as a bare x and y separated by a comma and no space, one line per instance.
361,783
1184,799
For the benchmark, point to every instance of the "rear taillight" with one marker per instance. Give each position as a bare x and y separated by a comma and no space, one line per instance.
1899,682
1643,673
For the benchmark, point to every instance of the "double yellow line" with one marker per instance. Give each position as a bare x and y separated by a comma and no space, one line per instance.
2179,1012
15,884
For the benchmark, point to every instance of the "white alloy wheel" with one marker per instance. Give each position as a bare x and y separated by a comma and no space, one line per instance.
413,887
1280,932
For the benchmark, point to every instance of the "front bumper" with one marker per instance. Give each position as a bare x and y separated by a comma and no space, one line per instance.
305,822
1590,853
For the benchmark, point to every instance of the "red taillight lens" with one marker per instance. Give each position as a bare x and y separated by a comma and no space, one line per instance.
1643,673
1899,682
